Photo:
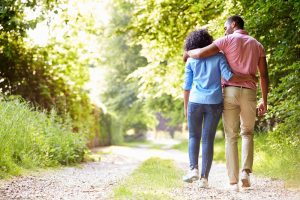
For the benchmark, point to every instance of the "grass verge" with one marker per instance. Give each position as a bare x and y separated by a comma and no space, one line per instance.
282,163
31,139
154,179
144,143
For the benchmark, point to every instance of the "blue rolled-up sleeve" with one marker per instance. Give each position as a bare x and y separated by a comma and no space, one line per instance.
225,69
188,77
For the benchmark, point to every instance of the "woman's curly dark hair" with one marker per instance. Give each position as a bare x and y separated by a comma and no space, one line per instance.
197,39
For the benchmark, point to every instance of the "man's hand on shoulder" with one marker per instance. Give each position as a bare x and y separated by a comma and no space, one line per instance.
194,53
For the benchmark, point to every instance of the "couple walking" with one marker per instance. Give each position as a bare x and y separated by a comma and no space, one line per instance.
204,103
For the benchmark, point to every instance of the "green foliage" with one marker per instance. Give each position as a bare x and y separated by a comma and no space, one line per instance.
219,149
169,107
105,129
162,25
286,103
121,95
110,130
12,14
278,157
154,179
182,146
53,75
34,139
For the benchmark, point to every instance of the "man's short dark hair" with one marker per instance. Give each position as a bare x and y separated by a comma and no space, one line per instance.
197,39
238,20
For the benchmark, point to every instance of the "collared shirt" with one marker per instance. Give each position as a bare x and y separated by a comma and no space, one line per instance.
243,53
203,78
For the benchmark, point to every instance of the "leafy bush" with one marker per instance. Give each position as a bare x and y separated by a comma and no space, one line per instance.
35,139
110,130
52,75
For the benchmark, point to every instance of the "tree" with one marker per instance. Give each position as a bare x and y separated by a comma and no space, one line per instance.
52,75
121,58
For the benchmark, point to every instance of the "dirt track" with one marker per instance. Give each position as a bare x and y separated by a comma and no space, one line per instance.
95,180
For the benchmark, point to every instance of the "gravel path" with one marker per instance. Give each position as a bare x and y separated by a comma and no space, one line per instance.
95,180
87,182
261,189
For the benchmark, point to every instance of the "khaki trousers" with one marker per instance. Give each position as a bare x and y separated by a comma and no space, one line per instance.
239,114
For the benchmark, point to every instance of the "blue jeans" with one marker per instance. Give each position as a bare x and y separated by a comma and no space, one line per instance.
203,120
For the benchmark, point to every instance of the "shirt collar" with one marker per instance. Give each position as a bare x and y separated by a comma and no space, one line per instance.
241,31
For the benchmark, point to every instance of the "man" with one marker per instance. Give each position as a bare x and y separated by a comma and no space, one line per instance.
245,55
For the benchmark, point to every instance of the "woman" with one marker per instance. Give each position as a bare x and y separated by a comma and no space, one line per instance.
203,102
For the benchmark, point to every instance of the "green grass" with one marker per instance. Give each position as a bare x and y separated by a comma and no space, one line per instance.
154,179
182,146
31,139
277,162
219,148
144,143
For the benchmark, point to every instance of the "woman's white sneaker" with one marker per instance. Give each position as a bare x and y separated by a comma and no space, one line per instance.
203,183
191,176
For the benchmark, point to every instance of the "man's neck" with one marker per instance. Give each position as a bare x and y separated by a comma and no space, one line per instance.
241,31
235,29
